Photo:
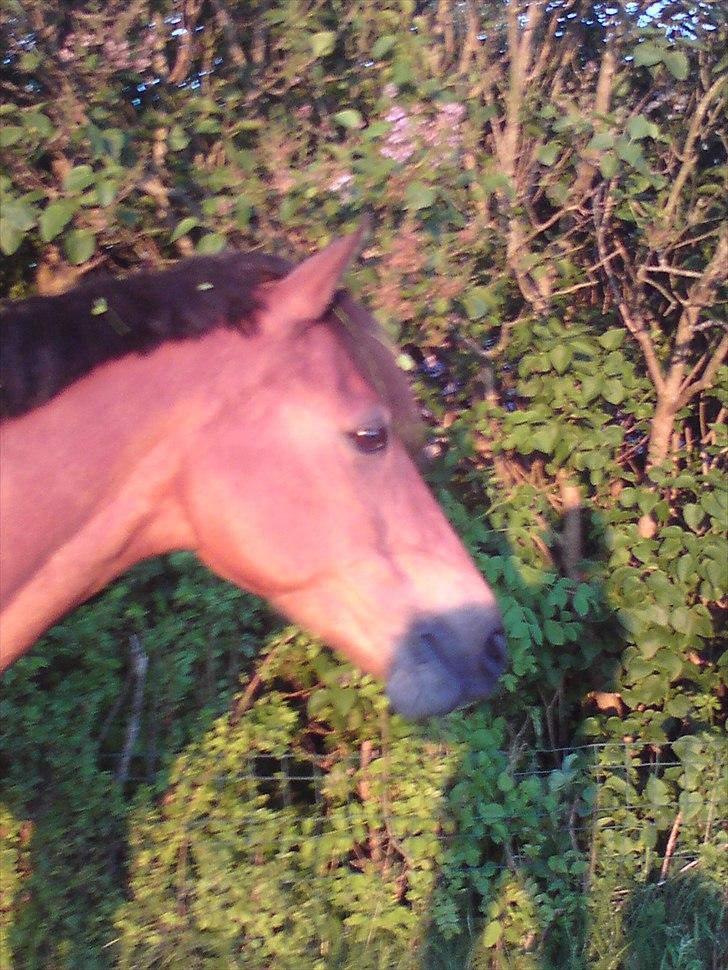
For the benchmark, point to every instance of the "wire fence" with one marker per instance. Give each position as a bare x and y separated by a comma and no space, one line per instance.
408,855
609,799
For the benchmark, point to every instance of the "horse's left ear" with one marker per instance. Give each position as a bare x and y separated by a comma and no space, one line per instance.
308,290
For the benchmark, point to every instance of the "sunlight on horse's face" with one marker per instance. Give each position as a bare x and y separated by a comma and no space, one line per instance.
311,501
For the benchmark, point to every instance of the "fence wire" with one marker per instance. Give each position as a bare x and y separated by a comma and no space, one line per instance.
605,789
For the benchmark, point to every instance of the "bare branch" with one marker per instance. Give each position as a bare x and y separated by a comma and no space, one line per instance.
602,207
573,289
689,156
672,270
706,381
670,848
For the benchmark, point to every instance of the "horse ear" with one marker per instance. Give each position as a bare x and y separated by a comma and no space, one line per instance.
308,290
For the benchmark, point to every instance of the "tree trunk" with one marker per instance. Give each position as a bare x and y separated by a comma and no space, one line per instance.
661,429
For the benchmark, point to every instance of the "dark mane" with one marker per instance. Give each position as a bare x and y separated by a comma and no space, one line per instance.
50,342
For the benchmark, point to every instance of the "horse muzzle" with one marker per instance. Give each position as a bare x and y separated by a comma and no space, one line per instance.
444,663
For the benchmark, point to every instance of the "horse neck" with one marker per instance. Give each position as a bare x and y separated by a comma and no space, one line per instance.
90,479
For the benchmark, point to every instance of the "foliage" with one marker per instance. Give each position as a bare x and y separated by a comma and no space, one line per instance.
549,184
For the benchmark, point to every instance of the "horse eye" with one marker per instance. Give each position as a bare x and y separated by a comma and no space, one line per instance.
370,440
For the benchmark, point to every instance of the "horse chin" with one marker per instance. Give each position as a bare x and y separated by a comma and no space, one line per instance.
427,691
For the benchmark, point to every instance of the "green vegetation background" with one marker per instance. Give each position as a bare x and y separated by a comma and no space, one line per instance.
549,188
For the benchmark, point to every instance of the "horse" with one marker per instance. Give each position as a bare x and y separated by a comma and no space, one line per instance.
249,410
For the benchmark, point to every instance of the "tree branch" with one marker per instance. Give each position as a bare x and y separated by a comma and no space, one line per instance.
689,157
602,207
706,381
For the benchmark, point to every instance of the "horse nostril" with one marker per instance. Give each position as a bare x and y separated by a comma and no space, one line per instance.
496,650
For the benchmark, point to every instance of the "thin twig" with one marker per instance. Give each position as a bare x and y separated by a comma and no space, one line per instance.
670,847
243,702
672,271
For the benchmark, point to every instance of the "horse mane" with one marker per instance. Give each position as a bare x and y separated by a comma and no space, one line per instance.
48,342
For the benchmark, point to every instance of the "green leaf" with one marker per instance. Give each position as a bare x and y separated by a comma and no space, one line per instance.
319,701
243,212
212,243
581,600
419,196
657,791
10,237
18,214
693,515
668,663
601,141
497,182
712,504
343,699
9,134
677,706
641,127
561,356
56,217
554,632
504,782
383,46
647,502
677,64
690,802
477,302
608,165
631,153
648,54
38,124
79,178
650,643
79,245
208,126
349,119
491,934
29,61
591,387
686,565
613,391
544,438
16,218
681,620
323,43
106,192
183,227
178,139
715,572
548,153
557,192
